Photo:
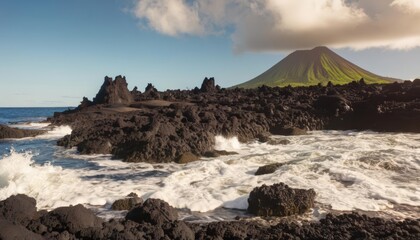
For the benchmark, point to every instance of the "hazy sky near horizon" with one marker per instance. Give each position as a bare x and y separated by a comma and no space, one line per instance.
54,52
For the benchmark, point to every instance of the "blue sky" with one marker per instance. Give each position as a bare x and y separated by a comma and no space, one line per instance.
54,52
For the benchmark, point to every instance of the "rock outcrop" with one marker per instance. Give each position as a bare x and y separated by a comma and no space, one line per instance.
280,200
113,92
9,132
166,125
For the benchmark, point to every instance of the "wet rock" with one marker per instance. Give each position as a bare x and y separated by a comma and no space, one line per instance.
19,209
113,92
72,219
9,132
278,142
127,203
267,169
280,200
153,211
287,131
187,158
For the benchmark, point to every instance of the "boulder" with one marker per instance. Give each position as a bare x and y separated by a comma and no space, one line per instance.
8,230
18,209
186,158
154,211
267,169
113,92
127,203
72,219
280,200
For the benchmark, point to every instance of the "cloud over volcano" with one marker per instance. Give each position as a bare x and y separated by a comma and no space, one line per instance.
281,25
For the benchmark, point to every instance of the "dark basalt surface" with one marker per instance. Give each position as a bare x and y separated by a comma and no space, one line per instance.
163,126
155,219
7,132
280,200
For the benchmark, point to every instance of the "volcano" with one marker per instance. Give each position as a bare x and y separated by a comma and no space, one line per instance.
311,67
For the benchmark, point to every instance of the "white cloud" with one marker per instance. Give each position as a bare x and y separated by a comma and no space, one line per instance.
171,17
408,5
276,25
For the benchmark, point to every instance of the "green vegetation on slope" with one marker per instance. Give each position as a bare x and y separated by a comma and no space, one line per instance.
311,67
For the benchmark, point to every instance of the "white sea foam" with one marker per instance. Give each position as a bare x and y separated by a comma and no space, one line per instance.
56,132
31,125
349,171
227,144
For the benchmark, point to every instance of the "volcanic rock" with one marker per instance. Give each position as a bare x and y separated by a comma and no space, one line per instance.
154,211
267,169
208,85
72,219
287,131
9,132
19,209
280,200
127,203
113,92
8,230
186,158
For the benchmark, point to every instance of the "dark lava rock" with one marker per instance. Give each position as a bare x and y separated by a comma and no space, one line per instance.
287,131
280,200
9,132
72,219
8,230
189,120
278,142
218,153
153,211
19,209
113,92
186,158
267,169
208,85
332,104
127,203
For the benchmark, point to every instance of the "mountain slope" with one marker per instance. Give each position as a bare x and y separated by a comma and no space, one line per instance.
310,67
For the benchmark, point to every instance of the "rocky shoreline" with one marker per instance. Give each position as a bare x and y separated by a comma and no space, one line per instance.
181,125
156,219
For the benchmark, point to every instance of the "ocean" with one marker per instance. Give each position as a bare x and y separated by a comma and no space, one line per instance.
369,172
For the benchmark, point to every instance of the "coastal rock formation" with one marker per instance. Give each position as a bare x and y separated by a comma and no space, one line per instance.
80,223
113,92
127,203
163,126
9,132
267,169
154,211
280,200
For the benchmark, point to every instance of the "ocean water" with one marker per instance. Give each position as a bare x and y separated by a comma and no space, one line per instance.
375,173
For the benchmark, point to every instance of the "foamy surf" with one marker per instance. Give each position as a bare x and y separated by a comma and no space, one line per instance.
365,171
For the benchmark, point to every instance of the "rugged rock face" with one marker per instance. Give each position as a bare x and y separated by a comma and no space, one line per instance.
280,200
113,92
8,132
208,85
166,125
